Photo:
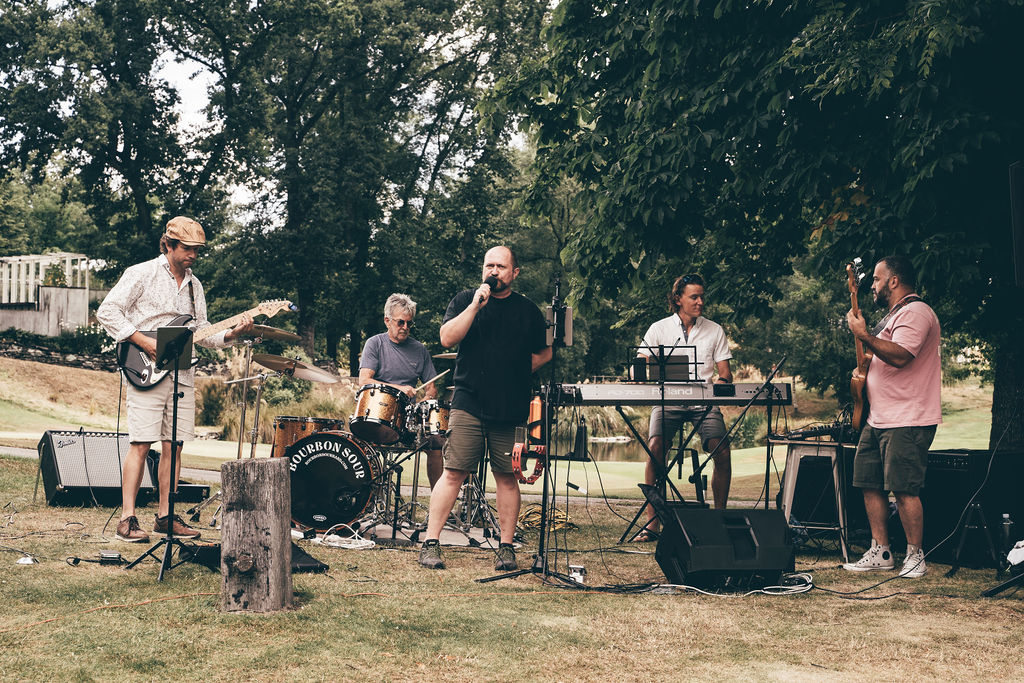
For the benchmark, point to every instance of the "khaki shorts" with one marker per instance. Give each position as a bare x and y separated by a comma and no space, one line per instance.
713,426
468,439
892,459
150,413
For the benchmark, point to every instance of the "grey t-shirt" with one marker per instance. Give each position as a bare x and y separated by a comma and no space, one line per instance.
397,363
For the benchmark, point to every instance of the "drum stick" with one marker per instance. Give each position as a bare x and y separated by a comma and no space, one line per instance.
432,380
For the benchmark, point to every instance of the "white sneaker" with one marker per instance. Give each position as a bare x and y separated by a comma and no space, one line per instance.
913,565
877,558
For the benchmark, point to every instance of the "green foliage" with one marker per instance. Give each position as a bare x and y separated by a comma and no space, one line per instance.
281,389
212,398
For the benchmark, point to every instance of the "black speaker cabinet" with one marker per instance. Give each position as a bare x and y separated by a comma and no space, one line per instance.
952,478
78,466
720,548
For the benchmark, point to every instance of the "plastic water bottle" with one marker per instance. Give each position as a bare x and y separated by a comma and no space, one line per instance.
1008,537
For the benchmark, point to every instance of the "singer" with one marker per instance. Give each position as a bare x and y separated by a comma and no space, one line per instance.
686,326
501,339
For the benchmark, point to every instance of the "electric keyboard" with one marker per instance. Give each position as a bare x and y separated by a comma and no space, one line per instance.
676,394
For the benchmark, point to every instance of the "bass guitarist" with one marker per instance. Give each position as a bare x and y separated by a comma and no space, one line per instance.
150,295
903,385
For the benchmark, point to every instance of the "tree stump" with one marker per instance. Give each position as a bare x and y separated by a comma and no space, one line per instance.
256,545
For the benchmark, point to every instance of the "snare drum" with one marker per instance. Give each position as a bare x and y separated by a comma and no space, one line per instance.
288,430
433,416
335,479
379,415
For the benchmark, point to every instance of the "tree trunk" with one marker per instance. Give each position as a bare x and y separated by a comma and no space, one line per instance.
256,547
1008,398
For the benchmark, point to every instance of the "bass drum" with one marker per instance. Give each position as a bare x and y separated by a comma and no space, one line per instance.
334,479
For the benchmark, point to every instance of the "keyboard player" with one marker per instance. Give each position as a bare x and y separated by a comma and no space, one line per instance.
686,327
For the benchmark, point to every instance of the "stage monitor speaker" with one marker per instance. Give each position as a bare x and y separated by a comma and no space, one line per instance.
734,548
951,479
79,466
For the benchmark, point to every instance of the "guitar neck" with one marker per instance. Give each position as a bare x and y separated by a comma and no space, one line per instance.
862,359
225,324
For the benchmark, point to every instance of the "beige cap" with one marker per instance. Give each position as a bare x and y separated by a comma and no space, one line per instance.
186,231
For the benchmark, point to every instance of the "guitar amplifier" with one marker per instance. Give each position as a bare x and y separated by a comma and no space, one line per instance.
78,466
952,478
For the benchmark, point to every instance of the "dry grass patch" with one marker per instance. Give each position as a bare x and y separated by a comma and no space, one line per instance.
378,615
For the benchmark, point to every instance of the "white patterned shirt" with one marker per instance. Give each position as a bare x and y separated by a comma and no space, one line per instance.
147,297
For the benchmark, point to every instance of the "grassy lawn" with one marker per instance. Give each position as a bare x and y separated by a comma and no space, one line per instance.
376,615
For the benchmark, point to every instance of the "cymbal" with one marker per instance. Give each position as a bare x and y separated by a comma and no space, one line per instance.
294,368
268,332
450,355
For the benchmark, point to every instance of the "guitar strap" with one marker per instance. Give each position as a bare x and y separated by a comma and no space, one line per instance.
192,296
908,299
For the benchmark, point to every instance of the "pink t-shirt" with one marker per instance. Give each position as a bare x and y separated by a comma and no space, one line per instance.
909,396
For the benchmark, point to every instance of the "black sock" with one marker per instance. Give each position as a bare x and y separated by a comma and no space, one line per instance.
429,542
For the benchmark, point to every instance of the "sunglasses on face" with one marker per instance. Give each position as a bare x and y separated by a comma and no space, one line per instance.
402,323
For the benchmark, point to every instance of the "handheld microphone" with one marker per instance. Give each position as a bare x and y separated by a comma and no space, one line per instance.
491,282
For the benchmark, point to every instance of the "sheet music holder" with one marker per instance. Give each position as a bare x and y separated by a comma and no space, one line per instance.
173,347
676,363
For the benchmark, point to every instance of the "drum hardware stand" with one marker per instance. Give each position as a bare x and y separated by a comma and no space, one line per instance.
552,393
195,511
475,507
175,343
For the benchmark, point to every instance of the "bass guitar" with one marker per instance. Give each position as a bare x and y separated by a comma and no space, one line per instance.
140,369
858,382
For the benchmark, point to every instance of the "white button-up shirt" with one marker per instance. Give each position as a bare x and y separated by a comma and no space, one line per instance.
147,297
707,337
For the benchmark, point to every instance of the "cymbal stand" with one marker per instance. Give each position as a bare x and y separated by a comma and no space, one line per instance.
195,511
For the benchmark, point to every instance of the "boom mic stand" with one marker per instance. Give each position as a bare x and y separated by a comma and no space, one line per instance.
176,343
552,395
767,391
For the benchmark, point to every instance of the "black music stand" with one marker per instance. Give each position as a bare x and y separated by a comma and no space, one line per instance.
173,348
666,370
552,394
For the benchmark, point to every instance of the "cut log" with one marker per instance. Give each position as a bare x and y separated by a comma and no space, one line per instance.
256,546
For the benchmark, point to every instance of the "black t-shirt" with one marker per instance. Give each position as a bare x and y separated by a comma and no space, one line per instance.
493,368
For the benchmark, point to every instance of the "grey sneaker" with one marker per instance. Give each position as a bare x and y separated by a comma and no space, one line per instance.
128,529
506,558
914,566
430,555
877,558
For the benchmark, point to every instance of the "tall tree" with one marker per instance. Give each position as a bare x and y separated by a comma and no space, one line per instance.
730,136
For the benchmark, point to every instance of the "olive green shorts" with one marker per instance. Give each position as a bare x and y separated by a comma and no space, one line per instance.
892,459
469,437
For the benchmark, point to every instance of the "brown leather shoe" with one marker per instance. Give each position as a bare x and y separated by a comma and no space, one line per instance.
128,529
178,529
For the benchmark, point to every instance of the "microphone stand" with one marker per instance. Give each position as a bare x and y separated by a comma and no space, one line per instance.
551,392
768,390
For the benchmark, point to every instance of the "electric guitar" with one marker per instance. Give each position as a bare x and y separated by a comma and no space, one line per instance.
141,370
859,380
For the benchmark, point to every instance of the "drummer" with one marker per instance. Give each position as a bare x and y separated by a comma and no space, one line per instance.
395,358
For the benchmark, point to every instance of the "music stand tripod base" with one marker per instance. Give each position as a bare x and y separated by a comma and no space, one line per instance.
174,348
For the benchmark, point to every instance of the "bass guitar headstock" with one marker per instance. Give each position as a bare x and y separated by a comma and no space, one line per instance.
855,274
